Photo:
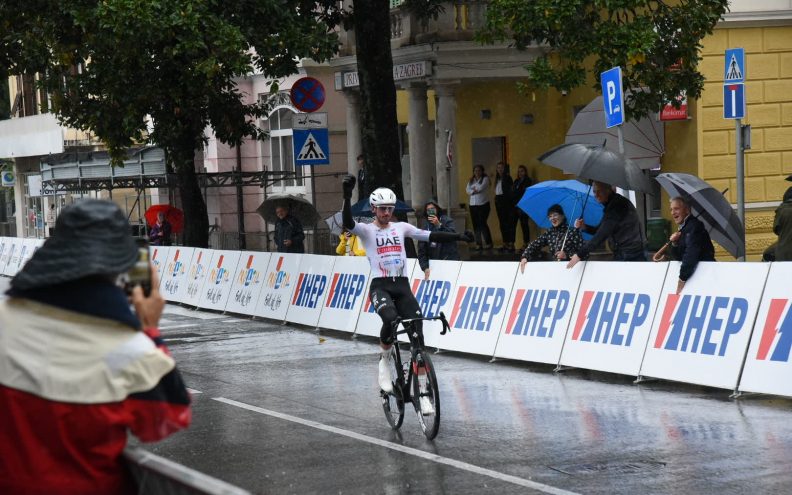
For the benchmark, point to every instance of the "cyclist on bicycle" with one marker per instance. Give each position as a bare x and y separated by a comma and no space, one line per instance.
390,290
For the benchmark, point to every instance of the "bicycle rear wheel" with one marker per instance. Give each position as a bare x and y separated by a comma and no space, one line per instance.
393,403
425,385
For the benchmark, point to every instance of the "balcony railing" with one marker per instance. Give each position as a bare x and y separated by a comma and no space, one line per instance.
459,21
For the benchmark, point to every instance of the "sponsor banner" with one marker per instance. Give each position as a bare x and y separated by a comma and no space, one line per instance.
369,322
247,283
700,335
5,245
434,296
346,293
159,259
767,366
479,306
217,286
29,248
539,312
613,315
174,276
10,252
281,275
15,254
310,289
198,269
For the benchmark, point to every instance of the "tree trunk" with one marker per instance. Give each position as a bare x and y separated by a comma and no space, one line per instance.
379,125
196,221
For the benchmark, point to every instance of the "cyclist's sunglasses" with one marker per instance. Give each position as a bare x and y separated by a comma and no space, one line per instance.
385,209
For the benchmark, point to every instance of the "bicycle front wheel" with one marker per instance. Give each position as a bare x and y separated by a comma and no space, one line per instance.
426,395
393,403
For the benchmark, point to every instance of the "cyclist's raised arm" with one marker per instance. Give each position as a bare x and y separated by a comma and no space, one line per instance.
348,186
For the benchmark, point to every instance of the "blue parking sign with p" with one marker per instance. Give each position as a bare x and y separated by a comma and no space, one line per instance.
612,96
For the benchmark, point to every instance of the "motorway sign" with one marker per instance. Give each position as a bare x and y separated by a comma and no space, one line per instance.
734,101
612,96
734,66
311,147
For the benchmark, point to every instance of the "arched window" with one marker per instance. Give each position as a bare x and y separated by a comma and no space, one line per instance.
281,152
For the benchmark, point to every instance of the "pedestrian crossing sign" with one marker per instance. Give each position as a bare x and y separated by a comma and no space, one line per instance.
734,71
311,147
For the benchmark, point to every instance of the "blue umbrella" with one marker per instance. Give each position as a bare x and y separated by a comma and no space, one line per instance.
363,209
570,194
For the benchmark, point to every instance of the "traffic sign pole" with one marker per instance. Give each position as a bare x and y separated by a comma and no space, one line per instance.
740,176
734,75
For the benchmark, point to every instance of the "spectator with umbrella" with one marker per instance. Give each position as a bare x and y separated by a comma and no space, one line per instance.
690,244
160,233
289,235
165,220
562,241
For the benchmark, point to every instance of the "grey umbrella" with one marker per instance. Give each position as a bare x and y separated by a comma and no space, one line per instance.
709,205
595,162
299,208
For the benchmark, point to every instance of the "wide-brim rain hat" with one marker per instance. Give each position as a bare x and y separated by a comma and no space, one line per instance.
92,237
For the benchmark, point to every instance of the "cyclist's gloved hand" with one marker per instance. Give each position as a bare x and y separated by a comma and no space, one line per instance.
348,185
467,236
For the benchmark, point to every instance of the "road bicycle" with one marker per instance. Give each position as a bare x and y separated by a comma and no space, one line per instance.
413,379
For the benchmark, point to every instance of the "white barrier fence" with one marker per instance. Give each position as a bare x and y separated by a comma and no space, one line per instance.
730,328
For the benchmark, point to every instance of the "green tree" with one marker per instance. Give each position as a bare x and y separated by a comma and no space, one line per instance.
657,44
5,104
116,66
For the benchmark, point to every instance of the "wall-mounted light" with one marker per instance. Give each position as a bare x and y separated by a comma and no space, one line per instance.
486,114
527,118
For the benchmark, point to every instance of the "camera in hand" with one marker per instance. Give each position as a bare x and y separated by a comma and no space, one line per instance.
431,212
140,273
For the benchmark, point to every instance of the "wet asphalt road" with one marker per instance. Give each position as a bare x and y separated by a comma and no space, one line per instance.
279,409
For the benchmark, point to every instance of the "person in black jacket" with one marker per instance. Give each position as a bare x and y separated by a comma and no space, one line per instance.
691,243
619,225
436,221
289,235
521,183
504,206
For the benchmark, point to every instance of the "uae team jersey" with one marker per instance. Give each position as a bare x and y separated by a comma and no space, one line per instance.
385,247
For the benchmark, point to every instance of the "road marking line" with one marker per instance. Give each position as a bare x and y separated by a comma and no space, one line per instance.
193,391
185,325
401,448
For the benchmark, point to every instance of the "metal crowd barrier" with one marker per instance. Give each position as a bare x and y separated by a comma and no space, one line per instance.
156,475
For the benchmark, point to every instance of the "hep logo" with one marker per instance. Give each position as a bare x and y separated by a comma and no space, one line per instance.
775,338
278,278
344,290
249,275
309,289
476,307
219,274
603,316
431,295
689,323
176,267
536,312
197,269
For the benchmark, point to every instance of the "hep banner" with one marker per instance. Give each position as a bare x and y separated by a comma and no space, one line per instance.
248,282
310,289
539,311
217,285
369,322
346,293
174,277
700,335
767,365
613,315
278,285
434,295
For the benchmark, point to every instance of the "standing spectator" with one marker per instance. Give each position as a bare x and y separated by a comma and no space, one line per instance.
521,183
51,216
160,233
289,235
350,245
782,226
504,206
691,243
79,370
436,221
619,225
477,188
561,240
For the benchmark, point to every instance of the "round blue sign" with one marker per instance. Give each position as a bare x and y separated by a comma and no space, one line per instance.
307,94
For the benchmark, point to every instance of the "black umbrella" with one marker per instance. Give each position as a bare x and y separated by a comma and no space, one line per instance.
594,162
709,205
300,208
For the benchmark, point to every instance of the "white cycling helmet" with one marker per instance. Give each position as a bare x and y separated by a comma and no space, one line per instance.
382,197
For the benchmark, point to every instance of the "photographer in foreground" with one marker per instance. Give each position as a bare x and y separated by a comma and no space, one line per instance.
79,369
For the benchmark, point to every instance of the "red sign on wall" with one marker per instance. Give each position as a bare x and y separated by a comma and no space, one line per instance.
670,113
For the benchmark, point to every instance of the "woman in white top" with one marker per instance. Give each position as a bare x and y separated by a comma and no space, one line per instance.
477,188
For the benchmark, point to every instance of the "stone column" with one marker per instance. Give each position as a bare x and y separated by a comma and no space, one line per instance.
420,137
354,146
445,123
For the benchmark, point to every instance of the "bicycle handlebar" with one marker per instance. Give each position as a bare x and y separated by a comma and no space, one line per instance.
441,317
